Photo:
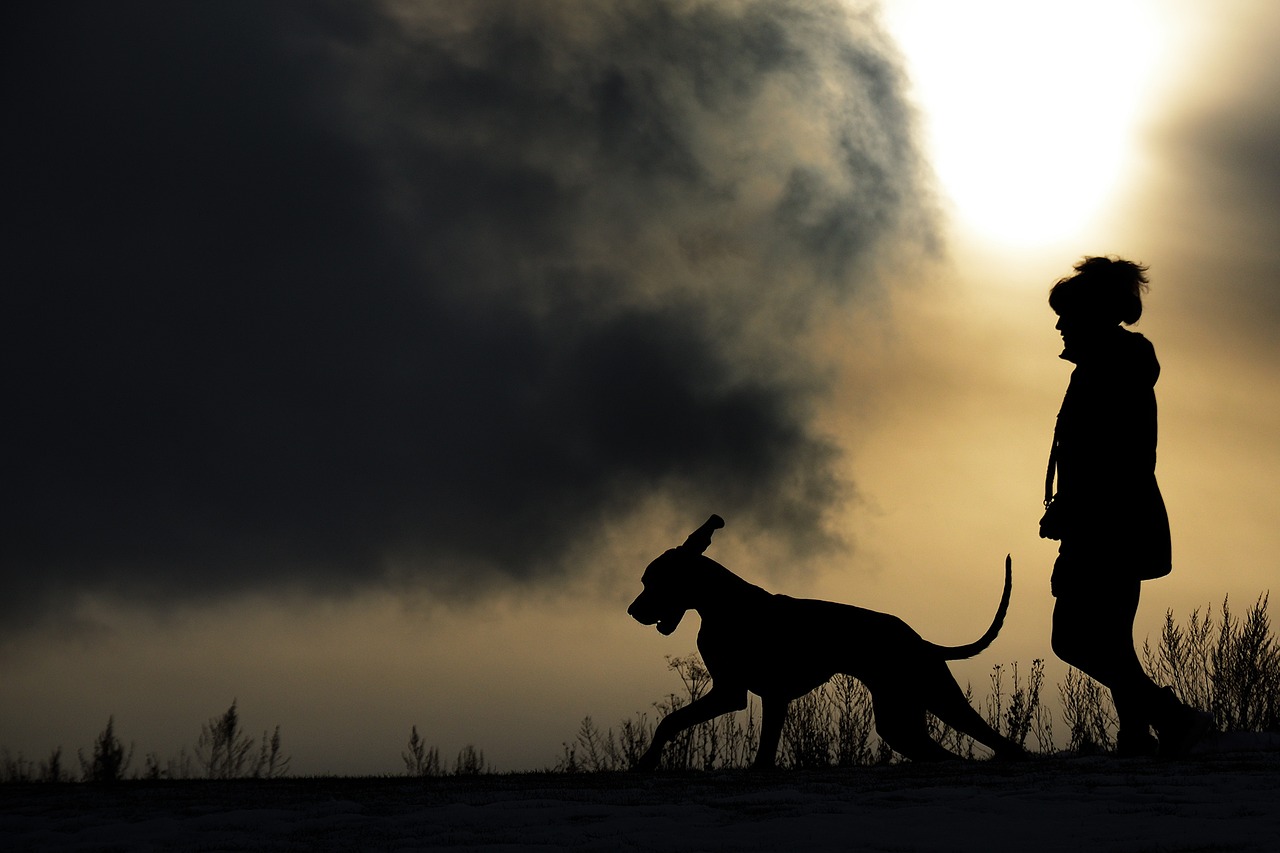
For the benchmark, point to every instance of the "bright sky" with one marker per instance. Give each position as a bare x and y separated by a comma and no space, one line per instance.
1144,128
1033,110
1075,144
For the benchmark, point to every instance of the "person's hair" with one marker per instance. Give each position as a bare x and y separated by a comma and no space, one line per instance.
1107,288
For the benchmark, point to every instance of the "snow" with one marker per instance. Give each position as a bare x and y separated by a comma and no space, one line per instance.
1223,800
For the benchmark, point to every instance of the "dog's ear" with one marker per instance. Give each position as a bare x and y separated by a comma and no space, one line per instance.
701,538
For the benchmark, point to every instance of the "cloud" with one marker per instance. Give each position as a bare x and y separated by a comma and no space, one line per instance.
302,291
1218,146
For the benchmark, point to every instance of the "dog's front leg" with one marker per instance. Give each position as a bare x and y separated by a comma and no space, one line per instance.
773,712
717,701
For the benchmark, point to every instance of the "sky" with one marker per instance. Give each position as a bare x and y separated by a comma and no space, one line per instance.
362,355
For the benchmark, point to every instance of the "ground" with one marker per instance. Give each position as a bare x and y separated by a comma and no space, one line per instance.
1222,802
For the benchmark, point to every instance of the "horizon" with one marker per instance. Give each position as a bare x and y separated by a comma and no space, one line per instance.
366,356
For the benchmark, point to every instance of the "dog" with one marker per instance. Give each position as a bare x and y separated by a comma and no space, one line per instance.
780,648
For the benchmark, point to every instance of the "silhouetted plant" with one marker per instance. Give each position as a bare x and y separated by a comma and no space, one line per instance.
595,752
724,742
727,741
420,760
470,762
16,768
51,769
272,764
224,750
854,721
678,753
1236,677
948,738
808,732
1184,658
155,768
1246,667
740,736
1088,713
1042,723
568,761
109,761
612,752
605,752
633,739
1023,713
689,748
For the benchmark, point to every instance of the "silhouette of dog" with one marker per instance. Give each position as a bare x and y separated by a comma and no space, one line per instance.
780,648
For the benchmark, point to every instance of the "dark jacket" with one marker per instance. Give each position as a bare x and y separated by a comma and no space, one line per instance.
1105,452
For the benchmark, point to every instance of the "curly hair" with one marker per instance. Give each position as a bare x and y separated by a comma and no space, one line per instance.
1107,288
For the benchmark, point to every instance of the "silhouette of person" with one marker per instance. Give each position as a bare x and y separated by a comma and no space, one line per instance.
1108,513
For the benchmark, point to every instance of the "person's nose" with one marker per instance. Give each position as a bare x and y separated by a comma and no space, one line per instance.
1058,325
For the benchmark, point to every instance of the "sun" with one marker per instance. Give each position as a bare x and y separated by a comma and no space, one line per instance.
1031,111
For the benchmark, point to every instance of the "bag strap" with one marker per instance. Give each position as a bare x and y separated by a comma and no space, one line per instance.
1052,467
1050,471
1053,458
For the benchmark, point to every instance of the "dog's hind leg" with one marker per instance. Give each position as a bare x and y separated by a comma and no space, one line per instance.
773,712
948,703
717,701
900,722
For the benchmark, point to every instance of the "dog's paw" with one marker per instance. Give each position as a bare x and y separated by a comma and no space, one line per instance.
1009,751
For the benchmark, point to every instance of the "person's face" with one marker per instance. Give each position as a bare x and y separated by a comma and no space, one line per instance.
1080,330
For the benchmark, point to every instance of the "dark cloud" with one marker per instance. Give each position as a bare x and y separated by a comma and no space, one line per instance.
298,292
1221,146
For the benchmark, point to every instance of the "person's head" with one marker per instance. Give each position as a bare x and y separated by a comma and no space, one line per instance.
1103,292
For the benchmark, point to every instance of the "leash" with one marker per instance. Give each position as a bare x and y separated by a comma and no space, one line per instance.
1052,467
1051,470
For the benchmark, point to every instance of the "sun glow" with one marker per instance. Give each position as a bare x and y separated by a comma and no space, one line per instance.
1031,109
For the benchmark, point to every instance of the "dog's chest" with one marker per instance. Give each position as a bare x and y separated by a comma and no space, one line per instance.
759,653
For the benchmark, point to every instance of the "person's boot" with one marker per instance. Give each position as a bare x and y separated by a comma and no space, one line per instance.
1136,743
1179,726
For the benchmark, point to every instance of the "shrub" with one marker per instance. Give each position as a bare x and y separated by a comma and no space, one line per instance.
51,770
109,760
1183,658
419,760
1235,676
271,764
224,751
950,739
222,748
1023,714
470,762
833,725
1088,713
15,768
854,722
174,768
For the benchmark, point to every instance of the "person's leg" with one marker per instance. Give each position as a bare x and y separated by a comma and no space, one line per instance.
1093,631
1140,702
1132,690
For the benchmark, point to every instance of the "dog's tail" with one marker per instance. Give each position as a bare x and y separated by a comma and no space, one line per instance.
961,652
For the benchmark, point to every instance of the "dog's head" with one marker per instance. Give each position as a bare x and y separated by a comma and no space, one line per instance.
666,594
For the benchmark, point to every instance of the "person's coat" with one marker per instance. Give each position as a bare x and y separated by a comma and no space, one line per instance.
1108,502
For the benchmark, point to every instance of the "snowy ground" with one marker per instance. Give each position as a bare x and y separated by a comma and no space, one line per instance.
1225,801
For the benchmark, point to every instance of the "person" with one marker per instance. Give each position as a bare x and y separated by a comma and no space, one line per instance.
1107,511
